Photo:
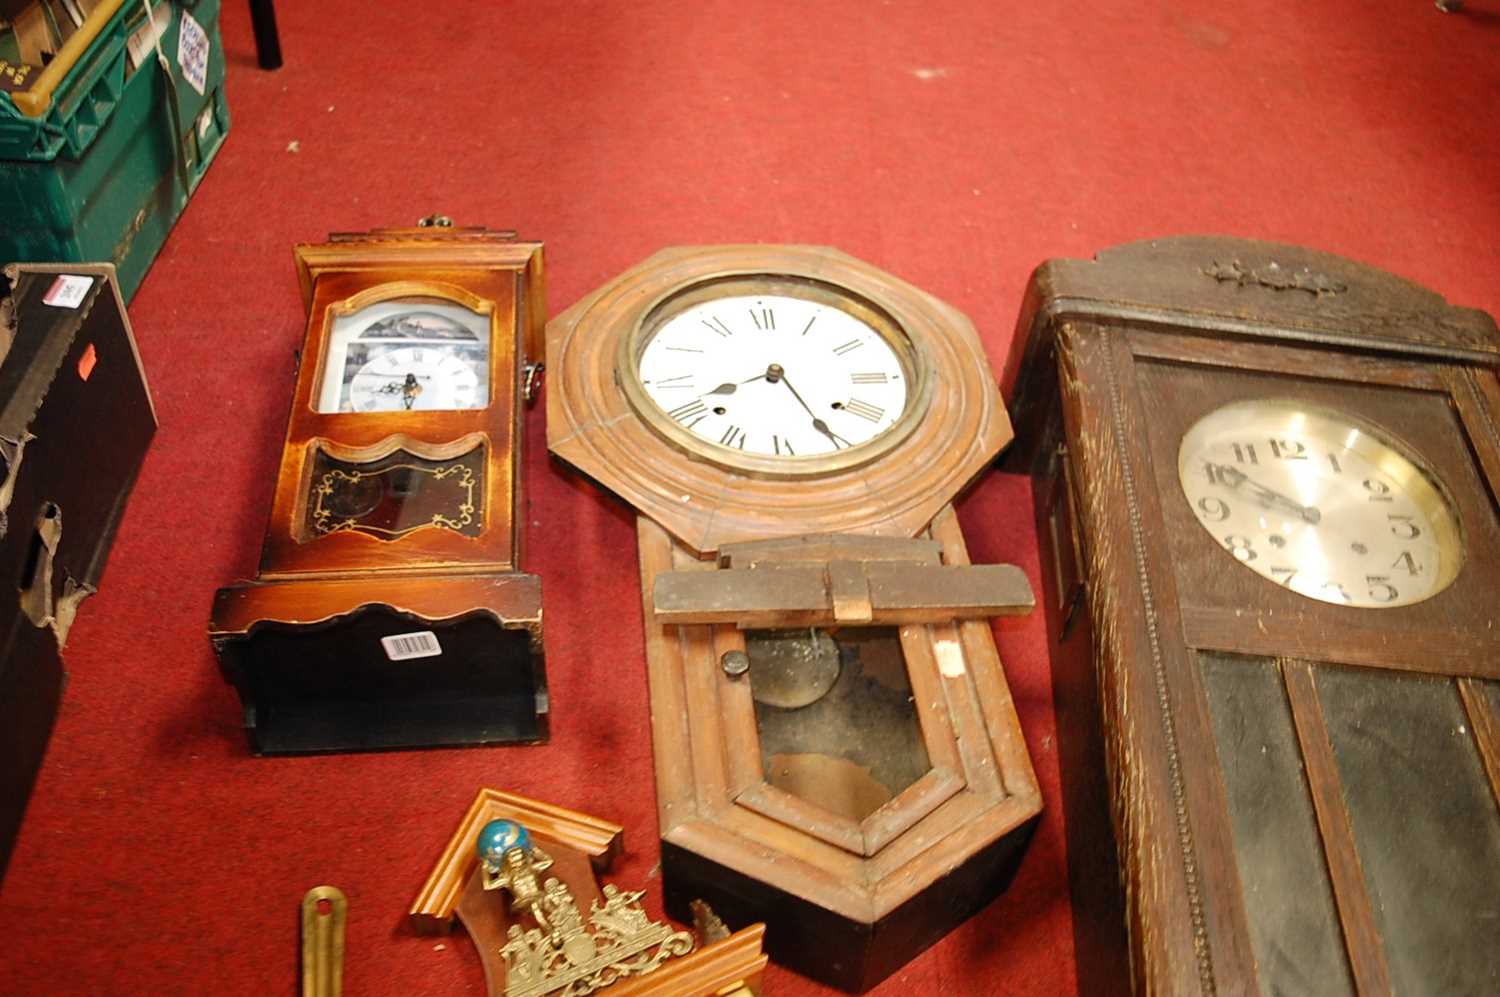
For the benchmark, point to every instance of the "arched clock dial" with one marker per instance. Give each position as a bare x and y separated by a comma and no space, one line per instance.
406,354
785,369
1320,504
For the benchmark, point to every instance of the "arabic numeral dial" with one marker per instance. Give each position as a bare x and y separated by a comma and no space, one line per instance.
1318,504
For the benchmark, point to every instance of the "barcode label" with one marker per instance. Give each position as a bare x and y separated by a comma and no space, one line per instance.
422,644
67,291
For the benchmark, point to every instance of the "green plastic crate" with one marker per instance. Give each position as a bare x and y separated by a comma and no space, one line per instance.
105,171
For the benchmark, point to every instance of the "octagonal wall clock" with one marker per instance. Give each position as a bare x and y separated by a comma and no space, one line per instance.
835,746
390,609
1266,483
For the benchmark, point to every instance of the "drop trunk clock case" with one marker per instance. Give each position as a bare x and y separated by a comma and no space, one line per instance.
1265,482
836,751
390,610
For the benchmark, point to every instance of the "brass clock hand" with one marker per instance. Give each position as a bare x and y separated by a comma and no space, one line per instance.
729,388
775,373
410,389
822,427
1269,497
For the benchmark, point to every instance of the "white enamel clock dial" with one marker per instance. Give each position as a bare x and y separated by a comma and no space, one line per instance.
775,374
414,378
406,355
1319,503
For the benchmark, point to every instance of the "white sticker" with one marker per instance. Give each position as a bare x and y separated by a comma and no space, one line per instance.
950,657
421,644
148,34
205,120
67,291
192,52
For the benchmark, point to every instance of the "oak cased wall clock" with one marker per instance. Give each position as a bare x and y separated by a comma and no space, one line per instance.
390,608
1265,482
836,751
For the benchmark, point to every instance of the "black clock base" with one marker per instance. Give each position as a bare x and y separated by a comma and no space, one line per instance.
378,678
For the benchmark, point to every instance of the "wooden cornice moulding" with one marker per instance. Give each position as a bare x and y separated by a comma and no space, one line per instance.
729,967
511,599
433,910
466,248
843,592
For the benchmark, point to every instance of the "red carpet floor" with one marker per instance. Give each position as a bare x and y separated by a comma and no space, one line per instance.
954,144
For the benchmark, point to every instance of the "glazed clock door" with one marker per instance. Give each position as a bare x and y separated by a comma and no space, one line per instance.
405,419
400,356
1323,584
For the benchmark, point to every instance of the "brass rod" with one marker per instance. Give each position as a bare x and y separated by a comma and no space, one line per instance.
324,911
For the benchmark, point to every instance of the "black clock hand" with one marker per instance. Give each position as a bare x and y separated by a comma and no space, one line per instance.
1271,498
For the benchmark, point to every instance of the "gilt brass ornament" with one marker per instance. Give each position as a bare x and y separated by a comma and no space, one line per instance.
564,955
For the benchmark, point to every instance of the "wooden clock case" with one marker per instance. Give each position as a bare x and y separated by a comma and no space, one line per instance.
302,643
847,896
1264,793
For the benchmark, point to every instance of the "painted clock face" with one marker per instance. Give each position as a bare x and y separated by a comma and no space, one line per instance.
1320,503
781,368
406,355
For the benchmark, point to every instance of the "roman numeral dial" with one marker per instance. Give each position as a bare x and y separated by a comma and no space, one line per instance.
784,375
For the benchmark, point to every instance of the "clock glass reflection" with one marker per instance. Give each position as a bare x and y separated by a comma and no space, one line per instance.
834,710
1320,503
408,354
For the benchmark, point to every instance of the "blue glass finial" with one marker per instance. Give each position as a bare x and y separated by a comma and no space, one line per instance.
499,837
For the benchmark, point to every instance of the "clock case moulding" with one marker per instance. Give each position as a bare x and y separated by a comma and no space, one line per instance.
302,642
1260,789
846,901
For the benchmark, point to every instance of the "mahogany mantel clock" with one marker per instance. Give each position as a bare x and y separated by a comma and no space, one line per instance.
389,609
836,750
1266,480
